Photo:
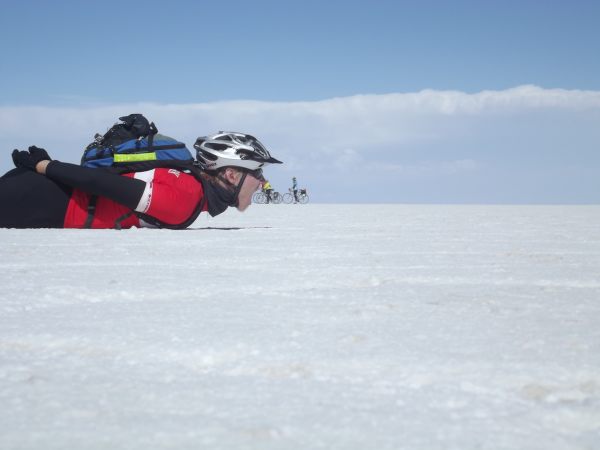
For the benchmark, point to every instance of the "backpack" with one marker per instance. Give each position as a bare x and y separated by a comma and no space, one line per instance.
135,146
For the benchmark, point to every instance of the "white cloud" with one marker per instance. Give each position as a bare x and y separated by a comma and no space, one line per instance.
426,168
422,133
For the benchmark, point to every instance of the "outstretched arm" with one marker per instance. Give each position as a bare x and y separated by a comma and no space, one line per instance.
124,190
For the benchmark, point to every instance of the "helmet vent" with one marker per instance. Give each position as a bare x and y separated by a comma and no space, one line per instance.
217,146
207,155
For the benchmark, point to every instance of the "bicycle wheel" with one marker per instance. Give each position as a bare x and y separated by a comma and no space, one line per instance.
259,197
303,198
287,198
277,198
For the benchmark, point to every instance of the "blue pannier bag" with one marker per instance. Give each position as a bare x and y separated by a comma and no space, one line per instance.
134,145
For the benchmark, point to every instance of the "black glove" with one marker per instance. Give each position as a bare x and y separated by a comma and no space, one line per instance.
29,159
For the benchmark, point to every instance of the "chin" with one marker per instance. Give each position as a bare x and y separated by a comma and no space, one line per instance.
242,207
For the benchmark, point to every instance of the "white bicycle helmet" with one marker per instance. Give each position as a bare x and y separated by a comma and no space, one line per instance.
232,149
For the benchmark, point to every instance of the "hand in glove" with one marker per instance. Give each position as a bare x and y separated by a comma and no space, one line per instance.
29,159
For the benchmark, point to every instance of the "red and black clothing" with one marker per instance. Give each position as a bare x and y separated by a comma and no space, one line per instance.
60,199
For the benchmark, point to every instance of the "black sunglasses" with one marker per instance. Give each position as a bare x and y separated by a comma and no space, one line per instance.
258,174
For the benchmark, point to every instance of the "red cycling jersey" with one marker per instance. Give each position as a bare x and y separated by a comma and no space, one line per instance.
170,196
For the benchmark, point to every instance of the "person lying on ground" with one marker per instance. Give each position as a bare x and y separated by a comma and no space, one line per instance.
42,193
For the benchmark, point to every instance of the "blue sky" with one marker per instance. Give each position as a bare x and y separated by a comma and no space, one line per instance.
78,60
197,51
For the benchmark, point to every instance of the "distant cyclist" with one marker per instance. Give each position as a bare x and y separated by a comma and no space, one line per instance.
268,189
295,189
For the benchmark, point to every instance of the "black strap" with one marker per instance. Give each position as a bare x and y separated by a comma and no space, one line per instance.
150,144
91,209
120,220
180,226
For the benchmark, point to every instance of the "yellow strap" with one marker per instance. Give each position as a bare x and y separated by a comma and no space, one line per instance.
133,157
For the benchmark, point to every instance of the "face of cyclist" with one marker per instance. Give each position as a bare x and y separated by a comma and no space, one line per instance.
250,186
252,183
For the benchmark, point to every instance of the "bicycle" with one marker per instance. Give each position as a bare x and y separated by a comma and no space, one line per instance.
302,195
261,197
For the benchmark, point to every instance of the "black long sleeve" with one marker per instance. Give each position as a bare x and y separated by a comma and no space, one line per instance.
124,190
